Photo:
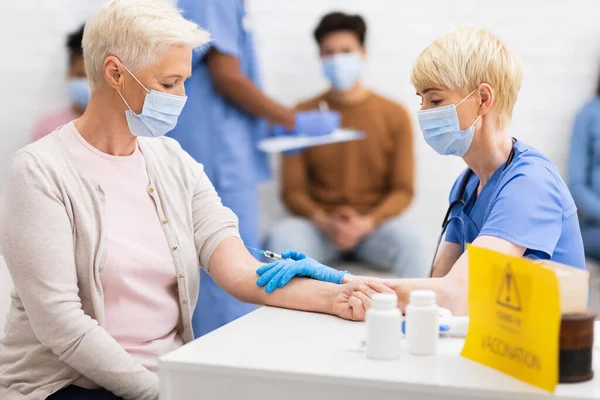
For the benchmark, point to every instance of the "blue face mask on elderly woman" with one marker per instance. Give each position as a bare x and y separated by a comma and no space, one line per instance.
441,129
159,113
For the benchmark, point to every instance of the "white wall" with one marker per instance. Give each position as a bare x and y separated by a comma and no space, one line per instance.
33,64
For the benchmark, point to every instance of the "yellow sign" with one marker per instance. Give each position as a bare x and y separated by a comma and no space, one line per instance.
514,310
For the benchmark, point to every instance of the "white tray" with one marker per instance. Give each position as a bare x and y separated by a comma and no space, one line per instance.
285,143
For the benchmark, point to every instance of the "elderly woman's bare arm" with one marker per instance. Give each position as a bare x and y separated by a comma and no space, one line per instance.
234,269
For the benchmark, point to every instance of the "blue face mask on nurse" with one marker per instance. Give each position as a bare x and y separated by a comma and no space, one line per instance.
442,129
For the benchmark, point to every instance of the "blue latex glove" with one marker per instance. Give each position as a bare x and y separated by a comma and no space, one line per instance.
278,274
293,255
311,123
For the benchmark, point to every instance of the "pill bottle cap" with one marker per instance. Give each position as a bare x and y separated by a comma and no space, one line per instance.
422,297
385,301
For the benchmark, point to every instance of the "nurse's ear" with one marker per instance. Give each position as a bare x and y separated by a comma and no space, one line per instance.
486,96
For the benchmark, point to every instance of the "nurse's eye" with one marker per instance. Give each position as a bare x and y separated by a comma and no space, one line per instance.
436,102
168,86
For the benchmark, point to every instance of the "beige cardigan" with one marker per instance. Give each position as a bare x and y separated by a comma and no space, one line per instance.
54,247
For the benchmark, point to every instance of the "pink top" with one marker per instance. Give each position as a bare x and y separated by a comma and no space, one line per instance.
139,280
48,123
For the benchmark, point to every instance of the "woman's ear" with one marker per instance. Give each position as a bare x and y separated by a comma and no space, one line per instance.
113,73
486,94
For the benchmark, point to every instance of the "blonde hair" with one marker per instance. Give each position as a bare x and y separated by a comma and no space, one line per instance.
137,32
467,57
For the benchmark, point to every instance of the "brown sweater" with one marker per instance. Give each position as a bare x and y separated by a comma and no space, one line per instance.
374,176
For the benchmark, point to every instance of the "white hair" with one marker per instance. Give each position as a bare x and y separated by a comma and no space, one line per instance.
137,32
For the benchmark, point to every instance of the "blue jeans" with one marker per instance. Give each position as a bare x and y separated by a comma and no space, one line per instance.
216,307
591,241
76,393
392,247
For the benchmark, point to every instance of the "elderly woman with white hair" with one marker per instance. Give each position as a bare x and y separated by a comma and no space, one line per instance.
108,223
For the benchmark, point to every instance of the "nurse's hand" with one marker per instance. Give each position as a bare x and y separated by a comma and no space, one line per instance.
293,255
354,298
278,274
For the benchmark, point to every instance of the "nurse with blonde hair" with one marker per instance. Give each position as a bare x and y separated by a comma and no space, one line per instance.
510,198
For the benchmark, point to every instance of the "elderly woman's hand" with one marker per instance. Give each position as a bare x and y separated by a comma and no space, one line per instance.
354,298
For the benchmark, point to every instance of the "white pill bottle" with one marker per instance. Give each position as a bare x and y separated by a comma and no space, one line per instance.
384,327
422,323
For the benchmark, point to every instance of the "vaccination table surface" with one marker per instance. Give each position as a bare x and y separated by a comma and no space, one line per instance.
274,354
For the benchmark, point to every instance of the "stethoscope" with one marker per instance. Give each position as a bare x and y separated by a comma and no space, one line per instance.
459,200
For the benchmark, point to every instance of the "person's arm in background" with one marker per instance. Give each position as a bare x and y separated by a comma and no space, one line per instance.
402,174
220,18
241,91
39,252
587,201
294,184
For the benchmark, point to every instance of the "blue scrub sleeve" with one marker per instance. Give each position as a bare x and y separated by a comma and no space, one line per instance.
221,19
528,209
588,201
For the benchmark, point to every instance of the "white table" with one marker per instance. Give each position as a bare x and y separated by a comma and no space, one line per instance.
275,354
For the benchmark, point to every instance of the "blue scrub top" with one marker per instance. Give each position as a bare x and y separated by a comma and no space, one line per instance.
584,163
213,130
527,204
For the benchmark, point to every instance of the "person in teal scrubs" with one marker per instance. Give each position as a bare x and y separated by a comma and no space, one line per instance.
225,116
511,198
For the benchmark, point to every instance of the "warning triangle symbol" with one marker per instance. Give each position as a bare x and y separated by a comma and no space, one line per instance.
508,296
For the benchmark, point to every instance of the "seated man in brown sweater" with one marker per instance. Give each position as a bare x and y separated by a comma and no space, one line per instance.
347,198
